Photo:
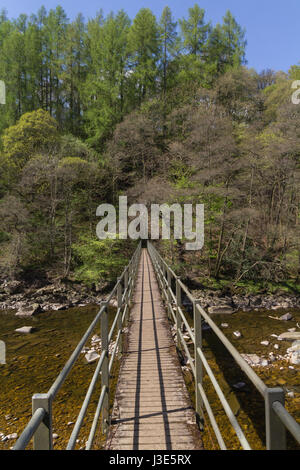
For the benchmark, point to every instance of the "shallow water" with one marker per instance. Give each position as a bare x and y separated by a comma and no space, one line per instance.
35,360
247,403
33,363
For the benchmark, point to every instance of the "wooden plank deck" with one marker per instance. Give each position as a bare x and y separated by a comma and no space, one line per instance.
152,409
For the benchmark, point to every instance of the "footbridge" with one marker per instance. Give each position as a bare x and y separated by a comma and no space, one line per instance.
151,407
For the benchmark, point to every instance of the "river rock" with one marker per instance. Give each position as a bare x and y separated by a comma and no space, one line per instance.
237,334
12,436
220,310
12,287
91,357
295,358
286,317
295,347
251,359
290,336
34,309
25,329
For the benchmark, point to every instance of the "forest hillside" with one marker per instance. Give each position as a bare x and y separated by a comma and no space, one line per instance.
158,109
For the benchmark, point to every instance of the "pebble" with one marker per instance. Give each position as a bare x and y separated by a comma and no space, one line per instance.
239,385
55,436
286,317
91,357
224,325
276,346
237,334
265,343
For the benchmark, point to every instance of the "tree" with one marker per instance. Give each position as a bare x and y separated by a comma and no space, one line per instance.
195,31
226,46
143,44
169,43
74,74
105,94
32,133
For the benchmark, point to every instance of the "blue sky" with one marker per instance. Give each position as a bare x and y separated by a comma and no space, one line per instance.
272,26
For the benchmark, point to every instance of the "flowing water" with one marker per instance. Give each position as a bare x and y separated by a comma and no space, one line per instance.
33,363
246,402
35,360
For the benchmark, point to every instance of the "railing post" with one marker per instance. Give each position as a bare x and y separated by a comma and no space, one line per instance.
169,297
178,316
275,429
198,364
126,289
105,368
126,286
43,438
119,324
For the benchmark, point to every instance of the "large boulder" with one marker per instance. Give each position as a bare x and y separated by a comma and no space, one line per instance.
29,311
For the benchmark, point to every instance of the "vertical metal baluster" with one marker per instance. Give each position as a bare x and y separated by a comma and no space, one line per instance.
169,278
198,364
105,368
178,317
119,323
126,296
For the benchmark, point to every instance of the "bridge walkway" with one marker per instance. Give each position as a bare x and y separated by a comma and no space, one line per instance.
152,408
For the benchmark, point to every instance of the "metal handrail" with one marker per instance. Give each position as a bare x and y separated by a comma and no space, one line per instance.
40,426
30,429
277,418
289,422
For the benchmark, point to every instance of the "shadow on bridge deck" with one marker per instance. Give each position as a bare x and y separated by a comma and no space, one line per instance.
152,409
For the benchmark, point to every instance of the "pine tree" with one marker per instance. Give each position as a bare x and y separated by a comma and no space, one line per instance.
169,44
144,52
105,94
195,31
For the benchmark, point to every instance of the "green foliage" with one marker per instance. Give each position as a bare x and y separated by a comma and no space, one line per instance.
34,132
99,260
158,113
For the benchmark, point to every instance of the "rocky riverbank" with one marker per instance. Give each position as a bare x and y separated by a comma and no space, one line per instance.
216,302
29,300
